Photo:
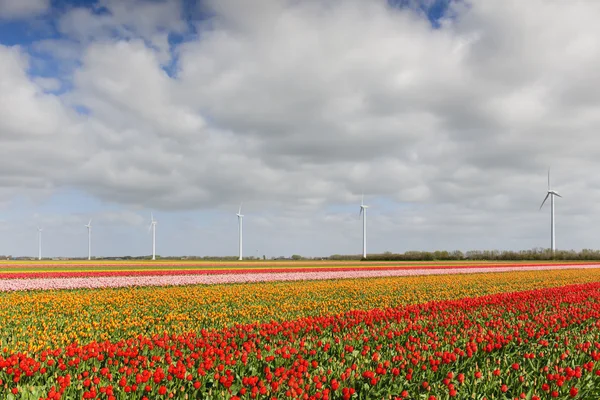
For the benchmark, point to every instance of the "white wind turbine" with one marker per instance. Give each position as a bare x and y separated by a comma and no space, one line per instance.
89,229
240,221
39,243
551,193
153,228
363,211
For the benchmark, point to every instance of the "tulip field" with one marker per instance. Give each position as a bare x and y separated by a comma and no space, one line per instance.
61,275
521,334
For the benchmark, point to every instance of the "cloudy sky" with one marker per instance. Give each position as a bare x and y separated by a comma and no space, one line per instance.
445,113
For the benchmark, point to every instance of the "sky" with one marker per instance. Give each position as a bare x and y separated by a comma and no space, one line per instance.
446,114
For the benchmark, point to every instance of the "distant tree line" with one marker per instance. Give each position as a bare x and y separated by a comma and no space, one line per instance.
538,254
479,255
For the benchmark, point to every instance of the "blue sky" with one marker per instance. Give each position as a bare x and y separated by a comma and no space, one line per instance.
113,109
27,31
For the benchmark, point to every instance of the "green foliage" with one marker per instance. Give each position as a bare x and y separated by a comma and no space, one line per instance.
478,255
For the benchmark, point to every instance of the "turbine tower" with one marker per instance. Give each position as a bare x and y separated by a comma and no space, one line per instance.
363,211
240,221
89,229
551,193
153,227
39,243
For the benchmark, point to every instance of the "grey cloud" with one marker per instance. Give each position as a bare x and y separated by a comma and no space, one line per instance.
128,18
19,9
40,140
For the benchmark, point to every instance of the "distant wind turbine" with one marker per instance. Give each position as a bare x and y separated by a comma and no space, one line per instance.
363,211
89,229
39,243
240,221
153,228
551,193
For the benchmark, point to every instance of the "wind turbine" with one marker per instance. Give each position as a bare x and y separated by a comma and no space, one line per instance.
551,193
363,211
153,227
89,229
39,243
240,221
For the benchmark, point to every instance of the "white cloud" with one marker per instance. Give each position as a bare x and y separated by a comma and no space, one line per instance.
61,49
120,218
126,19
15,9
40,137
48,84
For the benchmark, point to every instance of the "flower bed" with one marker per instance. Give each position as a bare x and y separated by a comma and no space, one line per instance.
535,344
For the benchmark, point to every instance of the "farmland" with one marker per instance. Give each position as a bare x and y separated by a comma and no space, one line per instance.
7,267
19,270
523,333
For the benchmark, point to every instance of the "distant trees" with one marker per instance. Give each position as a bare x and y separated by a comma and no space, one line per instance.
538,254
480,255
345,257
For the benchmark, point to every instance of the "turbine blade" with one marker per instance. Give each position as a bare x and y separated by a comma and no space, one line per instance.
240,211
90,223
360,212
545,198
558,195
548,178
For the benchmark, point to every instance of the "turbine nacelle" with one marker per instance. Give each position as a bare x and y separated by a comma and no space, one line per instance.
152,222
363,212
554,193
363,206
240,216
548,194
551,193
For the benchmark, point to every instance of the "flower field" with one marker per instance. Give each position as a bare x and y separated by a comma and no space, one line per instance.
33,279
527,334
166,279
66,269
32,321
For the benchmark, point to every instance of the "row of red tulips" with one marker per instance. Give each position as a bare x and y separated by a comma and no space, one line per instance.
530,345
